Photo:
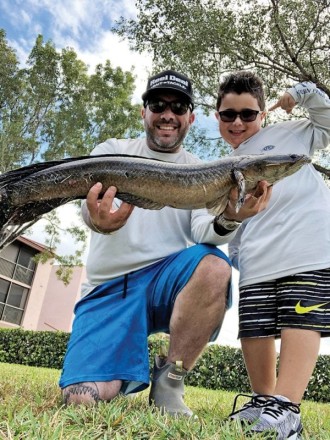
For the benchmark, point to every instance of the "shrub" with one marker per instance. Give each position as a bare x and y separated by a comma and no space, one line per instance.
222,367
34,348
219,367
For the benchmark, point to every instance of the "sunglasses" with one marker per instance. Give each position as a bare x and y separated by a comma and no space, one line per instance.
177,107
246,115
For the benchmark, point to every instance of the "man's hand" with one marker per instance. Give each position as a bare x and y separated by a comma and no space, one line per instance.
286,102
253,204
101,211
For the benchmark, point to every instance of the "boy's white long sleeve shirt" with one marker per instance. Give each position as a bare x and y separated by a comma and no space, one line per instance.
292,235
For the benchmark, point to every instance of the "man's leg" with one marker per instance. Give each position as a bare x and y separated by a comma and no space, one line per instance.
198,311
102,357
91,392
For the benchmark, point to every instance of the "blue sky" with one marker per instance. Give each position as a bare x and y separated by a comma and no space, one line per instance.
84,25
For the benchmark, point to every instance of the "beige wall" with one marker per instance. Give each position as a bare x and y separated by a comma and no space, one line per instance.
56,312
50,303
36,297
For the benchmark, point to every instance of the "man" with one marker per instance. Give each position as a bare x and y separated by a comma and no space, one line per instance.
150,271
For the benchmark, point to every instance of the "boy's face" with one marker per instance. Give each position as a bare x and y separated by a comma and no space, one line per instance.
238,131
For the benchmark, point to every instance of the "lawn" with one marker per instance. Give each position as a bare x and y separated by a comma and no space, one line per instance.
31,408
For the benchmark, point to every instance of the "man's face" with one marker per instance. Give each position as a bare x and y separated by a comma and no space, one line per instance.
165,131
239,131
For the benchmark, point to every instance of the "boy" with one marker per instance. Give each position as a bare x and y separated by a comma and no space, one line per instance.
282,253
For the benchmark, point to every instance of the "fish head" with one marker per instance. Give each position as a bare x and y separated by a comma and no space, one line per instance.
270,167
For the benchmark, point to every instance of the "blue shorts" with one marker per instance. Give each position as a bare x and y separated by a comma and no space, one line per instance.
109,339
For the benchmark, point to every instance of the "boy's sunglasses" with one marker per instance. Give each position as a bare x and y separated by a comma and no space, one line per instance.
177,107
246,115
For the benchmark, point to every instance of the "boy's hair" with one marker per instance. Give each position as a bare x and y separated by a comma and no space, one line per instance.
239,82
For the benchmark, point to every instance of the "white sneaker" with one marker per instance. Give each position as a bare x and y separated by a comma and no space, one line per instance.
281,416
250,411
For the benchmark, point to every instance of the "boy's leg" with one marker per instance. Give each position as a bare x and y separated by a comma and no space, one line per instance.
257,331
260,361
303,314
298,356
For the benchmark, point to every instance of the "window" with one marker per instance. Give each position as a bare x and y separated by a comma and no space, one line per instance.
4,287
16,263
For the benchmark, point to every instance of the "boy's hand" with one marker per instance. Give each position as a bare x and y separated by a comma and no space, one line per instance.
253,204
286,102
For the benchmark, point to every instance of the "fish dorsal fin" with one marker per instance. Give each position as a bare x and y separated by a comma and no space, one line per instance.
13,176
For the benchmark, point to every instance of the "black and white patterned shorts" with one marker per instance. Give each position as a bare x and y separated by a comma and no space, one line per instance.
299,301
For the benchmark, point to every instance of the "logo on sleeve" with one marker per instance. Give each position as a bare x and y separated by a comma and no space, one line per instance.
301,310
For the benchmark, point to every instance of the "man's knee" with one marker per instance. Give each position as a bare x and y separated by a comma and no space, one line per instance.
214,269
91,392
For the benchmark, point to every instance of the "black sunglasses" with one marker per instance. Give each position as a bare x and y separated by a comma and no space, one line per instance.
246,115
177,107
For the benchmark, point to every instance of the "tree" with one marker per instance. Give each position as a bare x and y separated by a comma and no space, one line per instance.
282,40
53,108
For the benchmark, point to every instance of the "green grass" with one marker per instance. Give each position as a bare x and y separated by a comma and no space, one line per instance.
31,408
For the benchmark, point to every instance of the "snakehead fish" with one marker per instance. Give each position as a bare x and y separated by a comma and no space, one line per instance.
29,192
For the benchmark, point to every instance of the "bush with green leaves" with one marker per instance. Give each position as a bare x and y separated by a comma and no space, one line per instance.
219,367
34,348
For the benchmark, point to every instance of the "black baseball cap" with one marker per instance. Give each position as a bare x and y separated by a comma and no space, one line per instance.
169,80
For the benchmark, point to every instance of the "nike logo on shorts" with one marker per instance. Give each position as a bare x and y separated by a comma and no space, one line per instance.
302,310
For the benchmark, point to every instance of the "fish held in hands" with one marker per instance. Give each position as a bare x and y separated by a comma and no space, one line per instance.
29,192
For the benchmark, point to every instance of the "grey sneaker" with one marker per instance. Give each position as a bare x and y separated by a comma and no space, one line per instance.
250,411
167,388
280,416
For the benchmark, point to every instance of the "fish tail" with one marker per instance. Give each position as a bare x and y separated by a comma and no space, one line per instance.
9,233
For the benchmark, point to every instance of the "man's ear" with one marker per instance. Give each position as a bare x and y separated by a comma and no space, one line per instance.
143,112
192,118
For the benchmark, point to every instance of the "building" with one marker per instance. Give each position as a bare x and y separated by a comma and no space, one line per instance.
31,295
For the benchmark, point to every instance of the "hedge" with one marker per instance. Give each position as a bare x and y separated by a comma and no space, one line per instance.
34,348
219,367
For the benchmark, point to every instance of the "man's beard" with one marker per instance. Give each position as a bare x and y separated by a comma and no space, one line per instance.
160,144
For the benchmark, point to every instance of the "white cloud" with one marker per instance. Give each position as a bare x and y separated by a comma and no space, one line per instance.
109,47
82,25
